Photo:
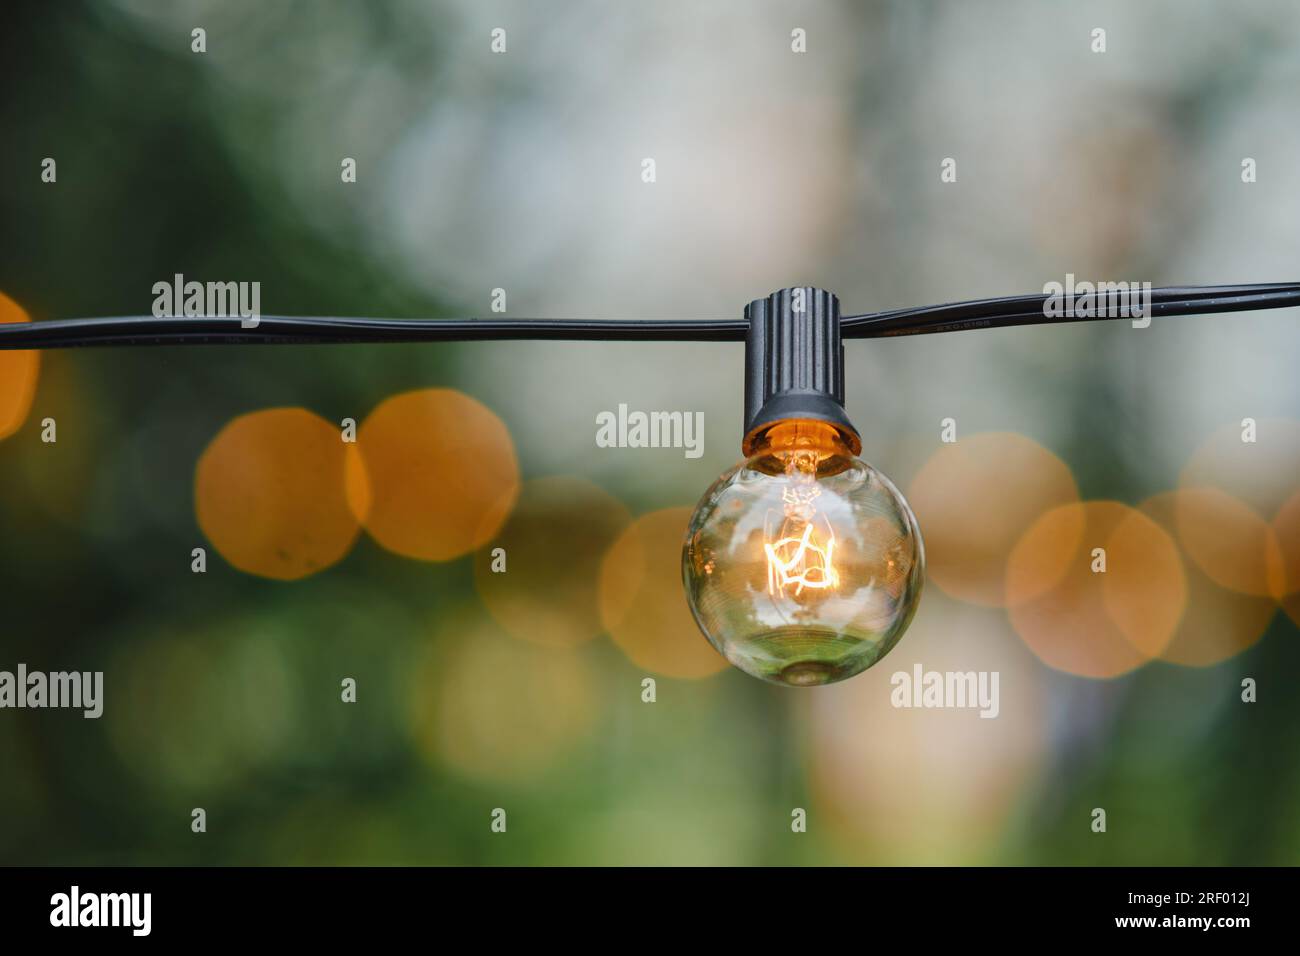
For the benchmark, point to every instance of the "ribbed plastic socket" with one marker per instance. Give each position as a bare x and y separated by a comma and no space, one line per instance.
794,363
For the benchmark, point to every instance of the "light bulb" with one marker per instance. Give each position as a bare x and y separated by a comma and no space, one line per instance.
803,564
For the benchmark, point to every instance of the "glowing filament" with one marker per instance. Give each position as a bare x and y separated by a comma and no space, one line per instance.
801,562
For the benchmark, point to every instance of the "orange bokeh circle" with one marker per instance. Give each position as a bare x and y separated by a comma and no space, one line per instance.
1119,596
1286,525
974,498
19,371
276,493
1230,542
1237,484
442,473
643,603
1219,623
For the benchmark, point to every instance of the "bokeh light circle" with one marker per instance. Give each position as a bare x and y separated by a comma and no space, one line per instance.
494,709
271,492
1219,623
974,499
19,371
1229,542
929,786
201,711
1286,525
553,542
1099,623
1262,473
442,473
642,602
1242,475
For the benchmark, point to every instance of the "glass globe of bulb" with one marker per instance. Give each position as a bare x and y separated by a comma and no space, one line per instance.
803,565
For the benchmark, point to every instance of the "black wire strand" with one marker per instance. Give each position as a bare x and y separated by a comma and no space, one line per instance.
1030,309
285,329
1009,311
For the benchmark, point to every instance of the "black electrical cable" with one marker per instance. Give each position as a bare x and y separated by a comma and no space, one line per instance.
272,329
284,329
1030,309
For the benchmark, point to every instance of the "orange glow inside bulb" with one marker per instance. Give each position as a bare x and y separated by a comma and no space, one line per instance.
800,542
801,562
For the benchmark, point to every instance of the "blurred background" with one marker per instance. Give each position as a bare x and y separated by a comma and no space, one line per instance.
522,171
